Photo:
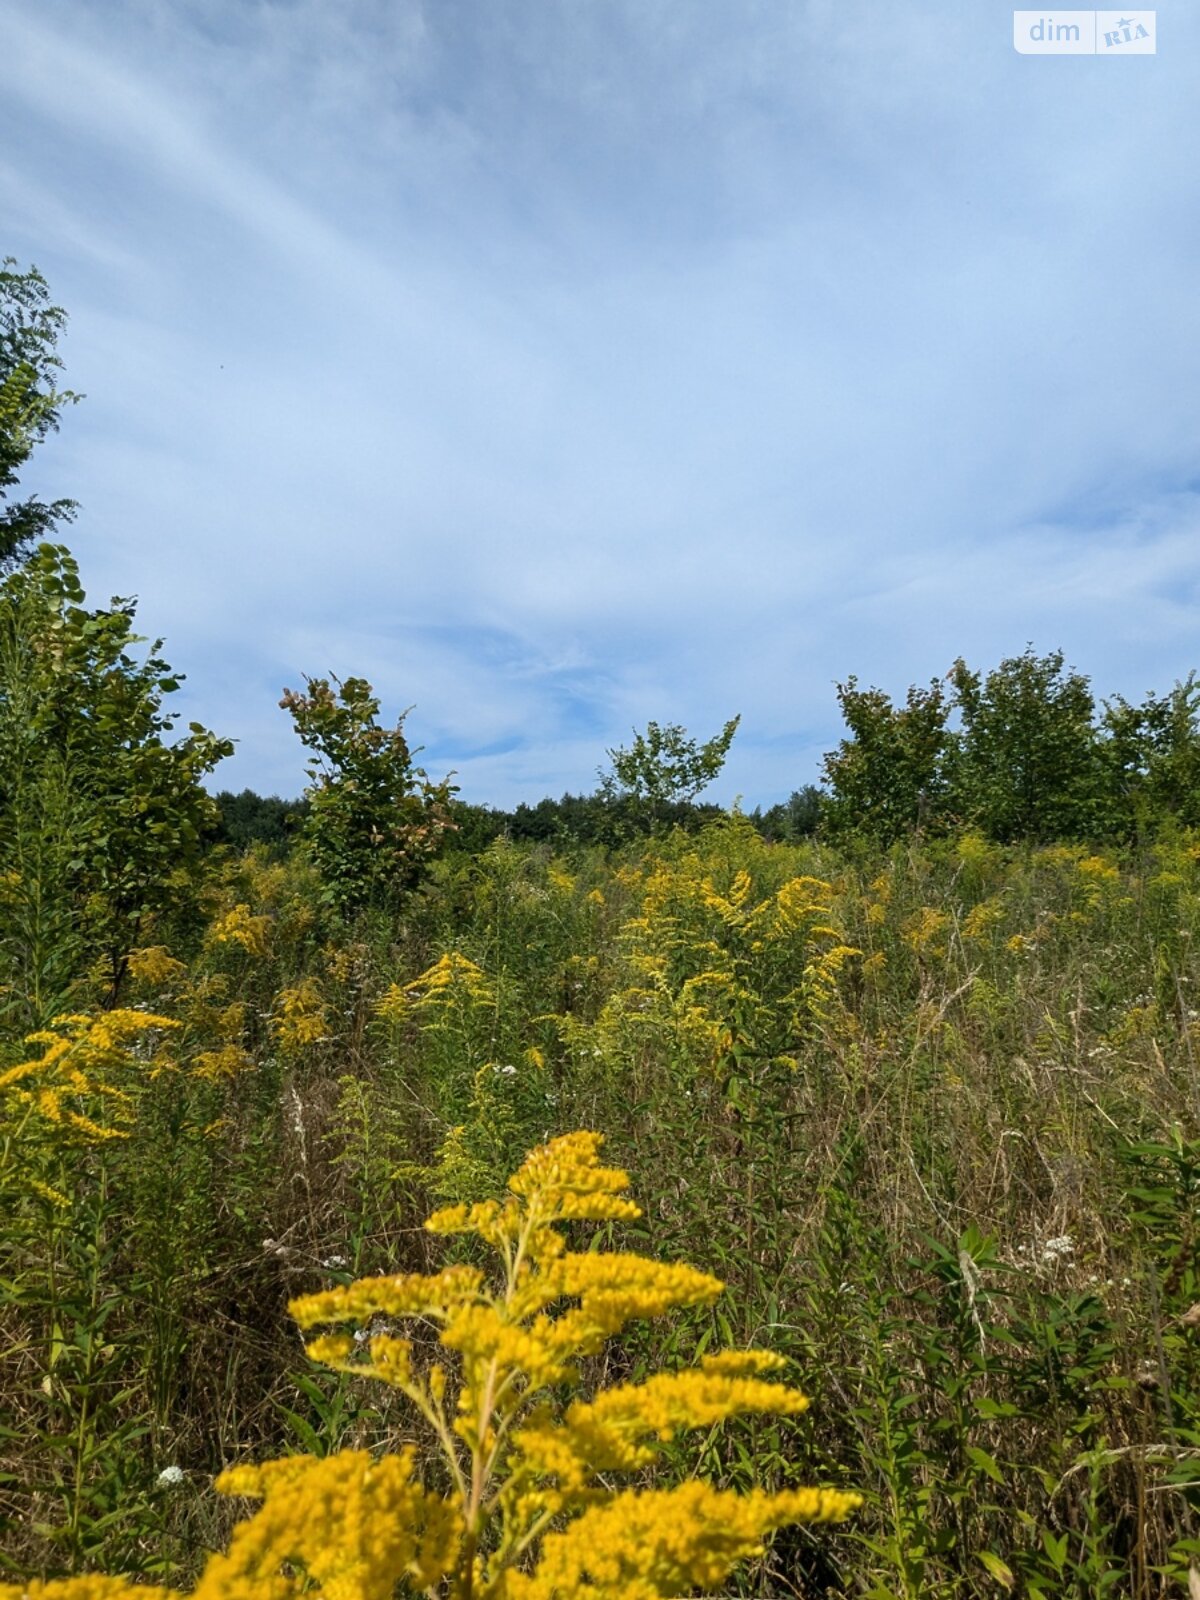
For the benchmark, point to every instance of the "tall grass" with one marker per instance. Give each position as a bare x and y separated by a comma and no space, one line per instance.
933,1116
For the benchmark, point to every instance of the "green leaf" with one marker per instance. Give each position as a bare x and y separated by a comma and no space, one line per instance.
304,1431
1000,1570
1055,1546
985,1463
989,1409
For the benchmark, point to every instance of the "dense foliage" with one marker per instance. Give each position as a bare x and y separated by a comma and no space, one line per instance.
248,818
30,402
663,768
373,820
1017,753
102,817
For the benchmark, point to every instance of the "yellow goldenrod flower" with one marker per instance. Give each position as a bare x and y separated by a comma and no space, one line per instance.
216,1065
518,1460
352,1524
641,1545
155,965
299,1018
392,1004
240,928
81,1090
922,932
530,1511
451,973
982,918
92,1586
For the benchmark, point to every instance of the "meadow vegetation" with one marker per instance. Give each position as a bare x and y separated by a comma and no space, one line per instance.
914,1077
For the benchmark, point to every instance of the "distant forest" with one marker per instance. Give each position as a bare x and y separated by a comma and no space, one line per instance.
249,818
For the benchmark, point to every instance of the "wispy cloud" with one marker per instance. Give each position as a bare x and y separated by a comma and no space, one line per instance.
563,367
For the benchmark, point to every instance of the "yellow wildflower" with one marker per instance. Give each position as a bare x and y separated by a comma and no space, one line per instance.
229,1061
91,1586
922,931
874,964
83,1056
450,970
531,1511
657,1542
514,1457
155,965
1098,870
299,1018
982,918
240,928
354,1525
392,1004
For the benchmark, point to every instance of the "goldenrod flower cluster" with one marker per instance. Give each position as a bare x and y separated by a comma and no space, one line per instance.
299,1019
238,926
355,1526
452,977
90,1586
155,966
983,918
229,1060
923,931
532,1513
201,1007
665,1541
78,1091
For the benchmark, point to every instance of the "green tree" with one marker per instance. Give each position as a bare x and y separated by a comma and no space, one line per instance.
1027,761
888,776
375,821
797,817
30,402
1151,756
249,818
102,821
664,768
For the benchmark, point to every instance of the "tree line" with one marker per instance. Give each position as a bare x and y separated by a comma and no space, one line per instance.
1022,752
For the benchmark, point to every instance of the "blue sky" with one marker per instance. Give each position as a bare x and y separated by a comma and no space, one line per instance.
562,364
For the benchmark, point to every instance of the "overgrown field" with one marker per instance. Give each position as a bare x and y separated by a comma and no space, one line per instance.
933,1116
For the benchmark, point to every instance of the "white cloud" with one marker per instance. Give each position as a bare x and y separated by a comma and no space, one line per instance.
559,369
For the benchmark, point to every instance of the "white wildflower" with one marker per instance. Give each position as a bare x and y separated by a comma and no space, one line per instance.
170,1477
1058,1249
